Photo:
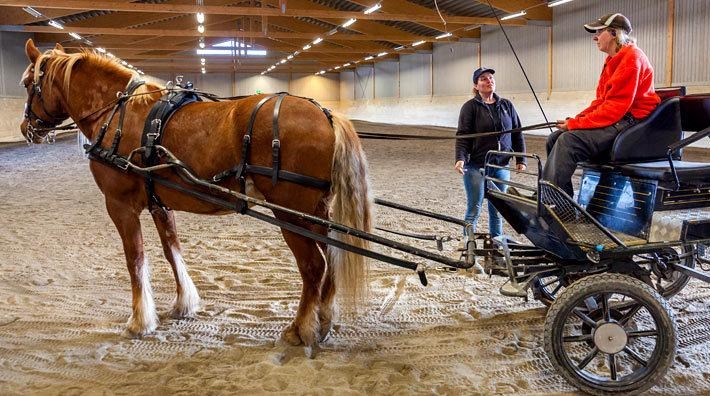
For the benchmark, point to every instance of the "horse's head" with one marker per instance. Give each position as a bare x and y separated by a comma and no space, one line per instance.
45,108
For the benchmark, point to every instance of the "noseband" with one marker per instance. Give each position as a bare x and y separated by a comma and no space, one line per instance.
44,129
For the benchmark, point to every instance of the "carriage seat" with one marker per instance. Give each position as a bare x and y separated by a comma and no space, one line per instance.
650,137
695,117
694,174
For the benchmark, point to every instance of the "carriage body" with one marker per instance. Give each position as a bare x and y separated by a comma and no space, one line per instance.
607,261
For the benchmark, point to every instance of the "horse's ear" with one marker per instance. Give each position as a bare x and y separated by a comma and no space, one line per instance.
58,47
31,51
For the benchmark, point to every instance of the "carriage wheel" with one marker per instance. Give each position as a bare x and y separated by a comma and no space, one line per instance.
545,289
672,283
610,333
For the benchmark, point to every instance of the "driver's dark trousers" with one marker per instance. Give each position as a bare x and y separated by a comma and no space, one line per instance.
565,149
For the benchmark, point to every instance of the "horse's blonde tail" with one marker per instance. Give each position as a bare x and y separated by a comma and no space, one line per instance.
351,206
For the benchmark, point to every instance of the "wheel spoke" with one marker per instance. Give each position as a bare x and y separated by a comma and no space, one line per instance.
605,307
636,356
611,359
629,314
585,318
577,338
588,358
643,333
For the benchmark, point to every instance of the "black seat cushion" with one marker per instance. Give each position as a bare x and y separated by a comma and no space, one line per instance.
649,138
689,173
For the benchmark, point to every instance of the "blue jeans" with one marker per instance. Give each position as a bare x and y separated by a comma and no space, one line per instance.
474,184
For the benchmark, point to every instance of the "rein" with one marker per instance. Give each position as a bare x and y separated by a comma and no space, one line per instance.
389,136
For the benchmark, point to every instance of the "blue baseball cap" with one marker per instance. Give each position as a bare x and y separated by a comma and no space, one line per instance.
481,70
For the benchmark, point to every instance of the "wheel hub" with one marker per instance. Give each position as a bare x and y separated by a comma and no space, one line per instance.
610,338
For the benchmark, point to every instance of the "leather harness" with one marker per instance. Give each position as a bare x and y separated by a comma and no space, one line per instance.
155,124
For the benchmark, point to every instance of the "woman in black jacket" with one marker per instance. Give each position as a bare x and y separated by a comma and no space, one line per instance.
486,112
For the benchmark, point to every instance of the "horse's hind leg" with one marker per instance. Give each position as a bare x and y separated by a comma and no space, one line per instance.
327,300
144,319
311,264
187,299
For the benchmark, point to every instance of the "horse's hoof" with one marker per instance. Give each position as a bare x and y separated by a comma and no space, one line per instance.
324,332
290,336
176,313
310,352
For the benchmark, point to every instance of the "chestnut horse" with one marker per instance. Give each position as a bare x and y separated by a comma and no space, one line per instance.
207,136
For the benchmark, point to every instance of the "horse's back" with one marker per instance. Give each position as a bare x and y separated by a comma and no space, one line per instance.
209,138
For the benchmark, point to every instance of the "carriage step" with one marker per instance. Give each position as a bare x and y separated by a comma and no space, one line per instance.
510,290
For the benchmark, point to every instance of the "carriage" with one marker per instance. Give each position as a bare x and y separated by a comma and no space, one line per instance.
604,262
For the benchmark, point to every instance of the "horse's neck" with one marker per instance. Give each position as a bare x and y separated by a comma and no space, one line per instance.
89,93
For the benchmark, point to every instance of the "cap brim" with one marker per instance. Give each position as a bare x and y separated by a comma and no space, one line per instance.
593,28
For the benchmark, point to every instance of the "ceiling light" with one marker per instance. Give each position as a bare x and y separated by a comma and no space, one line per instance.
262,73
381,54
75,36
306,47
317,41
332,31
557,2
336,67
443,35
200,17
201,44
321,72
110,55
202,61
201,28
511,16
56,24
32,12
373,8
401,47
347,64
420,42
282,61
124,63
88,42
204,71
289,57
369,57
348,22
296,53
101,50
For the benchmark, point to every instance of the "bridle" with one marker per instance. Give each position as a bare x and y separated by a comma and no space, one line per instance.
46,129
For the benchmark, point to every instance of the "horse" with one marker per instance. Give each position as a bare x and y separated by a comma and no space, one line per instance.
207,136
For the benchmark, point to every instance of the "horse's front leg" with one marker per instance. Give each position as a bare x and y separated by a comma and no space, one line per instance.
144,319
187,299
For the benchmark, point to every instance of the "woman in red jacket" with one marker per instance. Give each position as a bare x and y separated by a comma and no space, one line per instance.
624,95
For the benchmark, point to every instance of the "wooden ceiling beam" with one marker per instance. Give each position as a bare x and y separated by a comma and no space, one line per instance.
88,5
208,33
535,9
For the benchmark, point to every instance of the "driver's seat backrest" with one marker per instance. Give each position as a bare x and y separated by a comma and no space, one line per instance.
649,138
670,92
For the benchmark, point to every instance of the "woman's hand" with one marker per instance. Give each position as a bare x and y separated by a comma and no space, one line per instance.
521,167
562,125
459,167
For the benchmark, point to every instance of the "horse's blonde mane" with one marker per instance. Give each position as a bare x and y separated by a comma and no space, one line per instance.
62,66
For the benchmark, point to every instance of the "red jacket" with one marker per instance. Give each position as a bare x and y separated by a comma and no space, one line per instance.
625,85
